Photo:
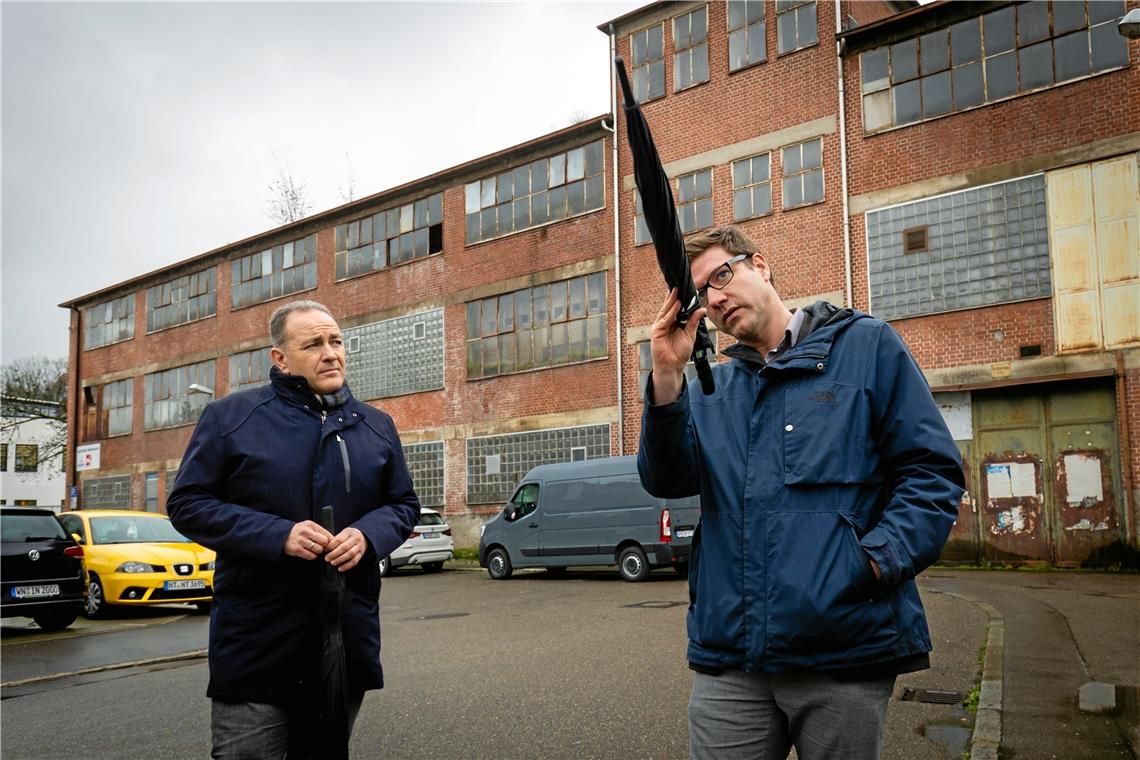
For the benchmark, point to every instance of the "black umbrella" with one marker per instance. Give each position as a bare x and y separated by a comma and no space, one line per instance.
334,675
661,219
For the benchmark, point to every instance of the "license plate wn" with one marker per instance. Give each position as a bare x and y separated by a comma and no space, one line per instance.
687,533
431,535
183,585
35,592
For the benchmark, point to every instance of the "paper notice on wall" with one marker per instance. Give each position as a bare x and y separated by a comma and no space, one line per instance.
998,482
1083,476
1023,479
493,464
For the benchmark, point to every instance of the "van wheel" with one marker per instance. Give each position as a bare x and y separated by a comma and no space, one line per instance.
632,564
499,564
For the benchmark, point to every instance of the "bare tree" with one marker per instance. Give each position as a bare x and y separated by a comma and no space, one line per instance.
578,116
288,199
348,189
34,389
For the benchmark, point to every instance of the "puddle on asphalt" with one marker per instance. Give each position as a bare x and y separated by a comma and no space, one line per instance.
953,733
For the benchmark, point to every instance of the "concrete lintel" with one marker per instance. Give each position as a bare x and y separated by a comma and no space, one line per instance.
596,416
1028,370
799,133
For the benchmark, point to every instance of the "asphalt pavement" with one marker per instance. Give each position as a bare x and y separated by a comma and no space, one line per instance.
1031,639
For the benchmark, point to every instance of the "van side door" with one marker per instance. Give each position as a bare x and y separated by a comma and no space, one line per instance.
521,533
569,530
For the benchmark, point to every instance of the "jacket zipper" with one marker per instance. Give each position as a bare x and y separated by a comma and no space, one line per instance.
347,465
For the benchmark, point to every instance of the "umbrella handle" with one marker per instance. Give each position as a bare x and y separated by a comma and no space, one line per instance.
623,79
327,518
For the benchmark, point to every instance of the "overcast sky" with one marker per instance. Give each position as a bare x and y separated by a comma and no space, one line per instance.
136,135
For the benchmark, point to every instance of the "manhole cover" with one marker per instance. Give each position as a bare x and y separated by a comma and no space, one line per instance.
931,696
655,605
439,616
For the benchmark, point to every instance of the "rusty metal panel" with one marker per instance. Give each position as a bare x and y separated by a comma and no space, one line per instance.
1117,205
1072,233
962,544
1085,469
1012,492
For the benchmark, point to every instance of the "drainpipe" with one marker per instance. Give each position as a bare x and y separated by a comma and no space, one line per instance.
74,400
617,251
843,154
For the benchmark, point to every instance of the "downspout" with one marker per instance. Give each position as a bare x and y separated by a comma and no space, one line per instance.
843,154
74,395
617,251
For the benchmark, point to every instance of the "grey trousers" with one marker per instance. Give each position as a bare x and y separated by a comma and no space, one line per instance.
740,715
255,731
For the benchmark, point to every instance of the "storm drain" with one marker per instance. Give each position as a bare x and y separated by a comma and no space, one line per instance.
931,696
439,616
655,605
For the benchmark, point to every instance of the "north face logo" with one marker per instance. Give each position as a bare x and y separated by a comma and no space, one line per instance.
822,397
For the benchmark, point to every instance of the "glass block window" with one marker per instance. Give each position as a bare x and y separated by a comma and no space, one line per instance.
694,200
276,272
397,356
985,245
107,493
496,463
171,476
170,401
752,187
1000,54
640,228
803,173
747,40
27,457
547,190
645,365
691,48
648,58
181,300
534,328
109,322
425,463
117,407
795,25
390,237
249,369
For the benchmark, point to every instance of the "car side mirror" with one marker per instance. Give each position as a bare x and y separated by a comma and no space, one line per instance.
75,536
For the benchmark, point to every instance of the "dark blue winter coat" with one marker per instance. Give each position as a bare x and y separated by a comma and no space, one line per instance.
258,462
833,453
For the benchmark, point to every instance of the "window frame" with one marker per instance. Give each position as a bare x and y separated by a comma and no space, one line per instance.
801,174
745,31
243,283
690,52
645,68
23,451
425,214
751,186
793,7
199,299
124,320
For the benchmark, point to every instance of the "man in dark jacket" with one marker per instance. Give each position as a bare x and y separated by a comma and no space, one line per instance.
828,481
259,467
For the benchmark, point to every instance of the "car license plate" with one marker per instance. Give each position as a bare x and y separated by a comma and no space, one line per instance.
183,585
687,533
433,534
34,592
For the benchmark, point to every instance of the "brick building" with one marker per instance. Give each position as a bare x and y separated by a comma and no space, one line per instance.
967,171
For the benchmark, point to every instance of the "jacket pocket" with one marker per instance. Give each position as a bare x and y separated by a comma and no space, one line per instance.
827,435
821,590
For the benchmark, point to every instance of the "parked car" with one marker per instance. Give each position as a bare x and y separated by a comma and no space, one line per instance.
429,546
591,512
138,558
41,568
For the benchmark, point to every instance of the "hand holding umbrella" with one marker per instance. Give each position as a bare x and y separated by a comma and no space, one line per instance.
661,218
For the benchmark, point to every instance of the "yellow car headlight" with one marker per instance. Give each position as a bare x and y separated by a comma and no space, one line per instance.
135,567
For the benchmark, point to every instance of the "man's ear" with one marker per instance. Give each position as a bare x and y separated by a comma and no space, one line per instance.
278,358
761,264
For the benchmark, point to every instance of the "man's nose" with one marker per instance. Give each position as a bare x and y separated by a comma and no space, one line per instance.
715,298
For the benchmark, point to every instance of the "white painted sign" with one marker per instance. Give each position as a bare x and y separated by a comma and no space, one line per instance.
957,412
1083,476
87,456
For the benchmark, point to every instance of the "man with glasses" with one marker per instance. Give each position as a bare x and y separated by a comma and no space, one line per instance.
828,481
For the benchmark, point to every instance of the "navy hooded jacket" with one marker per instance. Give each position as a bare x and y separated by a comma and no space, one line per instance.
831,454
260,461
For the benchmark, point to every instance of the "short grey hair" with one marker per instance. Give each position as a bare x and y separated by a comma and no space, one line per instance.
277,321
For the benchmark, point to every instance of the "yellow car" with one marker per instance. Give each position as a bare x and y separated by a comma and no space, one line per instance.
135,558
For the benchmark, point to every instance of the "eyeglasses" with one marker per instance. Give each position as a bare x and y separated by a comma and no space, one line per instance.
719,279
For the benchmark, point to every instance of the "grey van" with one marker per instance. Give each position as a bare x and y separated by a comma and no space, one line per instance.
592,512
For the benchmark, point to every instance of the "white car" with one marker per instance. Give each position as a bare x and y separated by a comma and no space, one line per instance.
429,546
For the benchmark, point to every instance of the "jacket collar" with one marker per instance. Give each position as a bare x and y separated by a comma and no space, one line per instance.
296,389
821,324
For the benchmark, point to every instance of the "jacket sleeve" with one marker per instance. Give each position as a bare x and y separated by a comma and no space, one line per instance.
397,510
667,453
920,456
198,509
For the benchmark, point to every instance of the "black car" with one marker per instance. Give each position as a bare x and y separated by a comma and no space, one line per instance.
41,568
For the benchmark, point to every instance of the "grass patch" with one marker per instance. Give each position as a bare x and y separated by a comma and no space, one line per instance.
466,552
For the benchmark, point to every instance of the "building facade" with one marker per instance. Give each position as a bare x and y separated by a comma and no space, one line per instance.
31,453
914,162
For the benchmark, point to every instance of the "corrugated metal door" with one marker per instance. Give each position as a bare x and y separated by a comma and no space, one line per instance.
1048,472
1094,226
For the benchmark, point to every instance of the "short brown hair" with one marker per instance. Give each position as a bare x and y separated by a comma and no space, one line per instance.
731,239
